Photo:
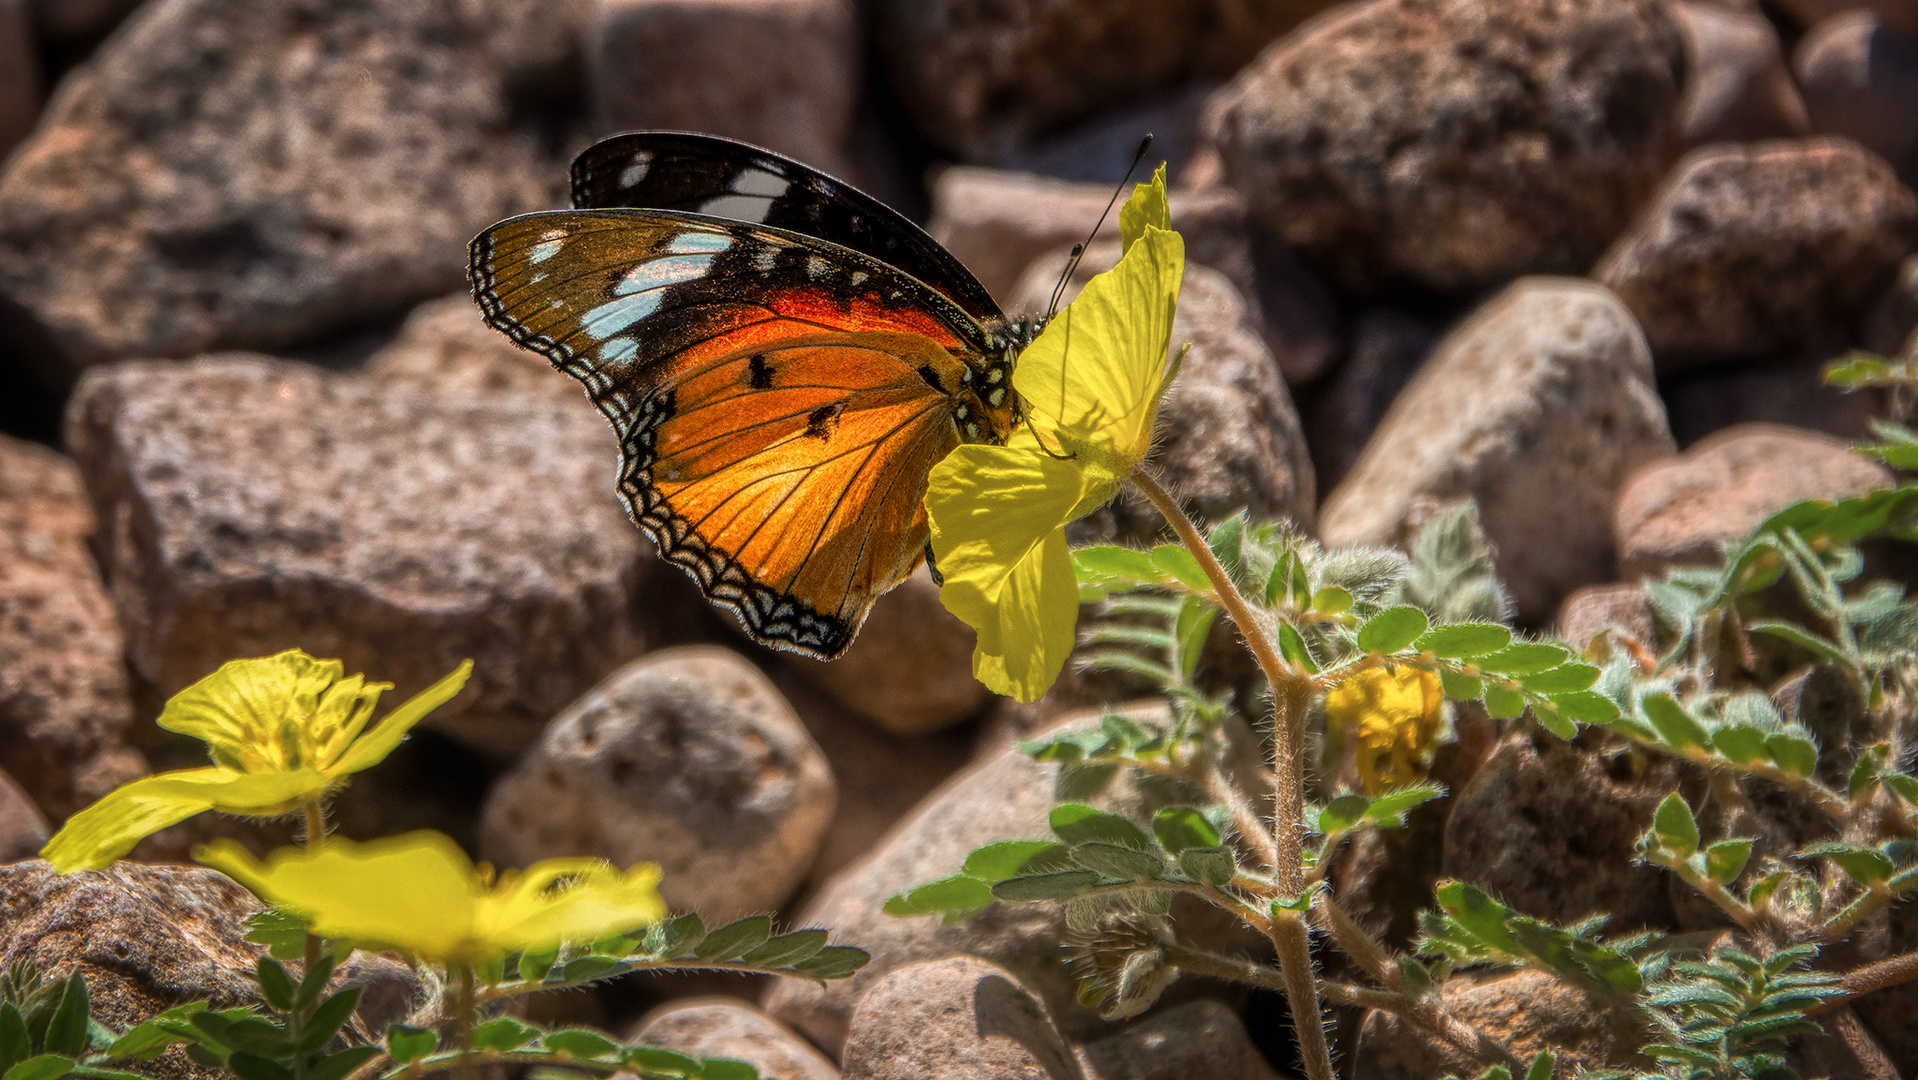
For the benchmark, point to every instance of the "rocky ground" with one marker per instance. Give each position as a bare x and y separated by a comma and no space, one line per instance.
1578,260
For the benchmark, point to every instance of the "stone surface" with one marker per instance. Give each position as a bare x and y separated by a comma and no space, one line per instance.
444,348
1388,345
1548,828
1525,1012
255,173
1893,319
1002,797
1537,406
688,758
1902,14
65,707
1622,611
145,938
23,828
250,505
1766,251
1100,150
1859,79
729,1028
1455,143
1681,511
1199,1039
19,74
783,74
980,78
1706,399
910,670
957,1019
1229,436
1737,87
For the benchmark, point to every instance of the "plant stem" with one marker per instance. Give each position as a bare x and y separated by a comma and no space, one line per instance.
463,1006
1291,694
1874,976
315,832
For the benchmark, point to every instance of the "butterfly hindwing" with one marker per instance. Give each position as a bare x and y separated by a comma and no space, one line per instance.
705,174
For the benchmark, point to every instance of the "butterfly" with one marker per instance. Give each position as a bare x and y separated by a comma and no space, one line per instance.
784,359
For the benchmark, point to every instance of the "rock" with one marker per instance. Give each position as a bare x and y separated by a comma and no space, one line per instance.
1388,345
1548,828
1706,399
688,758
1100,150
1889,328
1859,78
910,671
22,827
1682,511
1229,435
1737,87
65,707
1454,144
957,1019
1891,1013
145,938
444,348
980,78
1902,14
257,173
1622,610
78,20
1536,406
1844,1048
1525,1011
1005,796
19,74
251,505
1202,1038
783,74
728,1028
1767,251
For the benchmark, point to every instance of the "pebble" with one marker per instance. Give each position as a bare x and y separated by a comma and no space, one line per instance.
1860,78
1453,144
252,505
65,704
1767,251
23,828
1737,87
1198,1039
1525,1011
1622,610
258,173
728,1028
783,74
961,1018
1537,406
688,758
1682,511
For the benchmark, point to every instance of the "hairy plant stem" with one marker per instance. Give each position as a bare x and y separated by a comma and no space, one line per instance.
1874,976
464,1005
1291,694
315,832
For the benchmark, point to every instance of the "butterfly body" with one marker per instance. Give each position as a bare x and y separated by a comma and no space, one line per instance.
780,395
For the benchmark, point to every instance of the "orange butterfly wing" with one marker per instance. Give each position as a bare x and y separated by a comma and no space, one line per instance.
780,401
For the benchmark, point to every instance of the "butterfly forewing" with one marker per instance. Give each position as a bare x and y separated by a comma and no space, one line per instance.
703,174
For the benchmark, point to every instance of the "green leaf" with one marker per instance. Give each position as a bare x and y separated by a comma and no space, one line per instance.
960,892
657,1062
1904,785
1804,639
254,1067
1005,859
1460,687
283,933
585,969
67,1030
337,1066
1673,723
1464,640
313,983
1105,561
1742,743
1858,369
726,1069
43,1067
1391,630
503,1033
1177,563
534,967
1387,811
1342,813
1550,720
1563,679
405,1043
1765,886
834,962
15,1042
580,1043
1214,866
1478,914
735,939
1726,859
674,937
1674,827
1588,706
1195,622
1867,866
1331,600
327,1019
1292,648
1542,1066
1182,827
276,986
795,947
1076,823
1045,886
1523,658
1794,753
1115,861
1502,704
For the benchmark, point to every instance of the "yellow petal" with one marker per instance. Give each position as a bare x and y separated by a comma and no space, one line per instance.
95,837
1394,716
370,749
1147,206
541,908
1092,382
997,514
256,713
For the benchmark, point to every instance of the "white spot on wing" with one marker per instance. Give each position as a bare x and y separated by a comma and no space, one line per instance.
611,317
765,258
816,267
548,246
858,278
738,207
754,182
696,242
657,274
635,171
619,350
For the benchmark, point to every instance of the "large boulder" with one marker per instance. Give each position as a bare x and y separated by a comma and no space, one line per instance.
1860,78
957,1019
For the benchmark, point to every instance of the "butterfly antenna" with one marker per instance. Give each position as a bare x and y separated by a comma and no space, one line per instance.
1079,251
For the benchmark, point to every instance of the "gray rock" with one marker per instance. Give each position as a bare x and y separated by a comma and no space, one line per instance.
1859,79
445,348
1683,511
1452,143
728,1028
251,505
910,670
1003,797
1767,251
65,706
1525,1012
1737,87
1537,406
780,73
1199,1039
1622,611
957,1019
688,758
23,828
255,173
19,74
981,78
1099,150
1806,14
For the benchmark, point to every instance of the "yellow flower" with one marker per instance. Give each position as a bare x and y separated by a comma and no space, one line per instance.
1394,716
282,730
420,894
1090,387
